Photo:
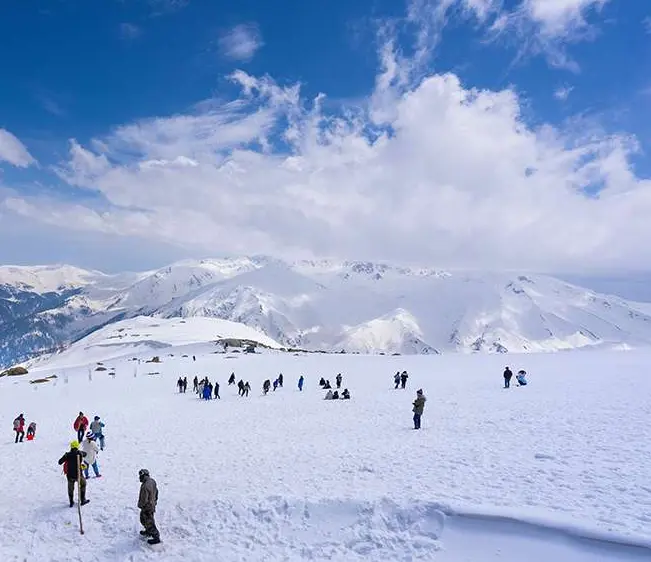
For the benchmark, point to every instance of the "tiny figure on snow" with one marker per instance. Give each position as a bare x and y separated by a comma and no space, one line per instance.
338,380
419,406
194,358
281,379
322,382
335,395
247,389
396,379
207,390
202,386
19,428
240,386
231,379
80,426
179,384
217,391
329,395
266,386
403,379
327,385
522,377
301,382
31,431
71,462
97,427
185,384
92,450
345,395
507,377
147,500
275,384
195,383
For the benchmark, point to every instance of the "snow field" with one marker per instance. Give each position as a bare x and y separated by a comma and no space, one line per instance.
292,477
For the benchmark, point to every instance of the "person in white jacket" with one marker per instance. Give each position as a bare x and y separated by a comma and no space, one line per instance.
92,450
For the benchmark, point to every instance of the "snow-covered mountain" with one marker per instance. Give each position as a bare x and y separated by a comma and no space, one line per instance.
322,305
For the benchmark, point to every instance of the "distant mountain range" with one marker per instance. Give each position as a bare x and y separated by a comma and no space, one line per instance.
321,305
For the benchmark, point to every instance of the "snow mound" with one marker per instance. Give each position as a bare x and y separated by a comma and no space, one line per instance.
143,334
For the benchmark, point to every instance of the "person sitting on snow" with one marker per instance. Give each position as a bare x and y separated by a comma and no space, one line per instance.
329,395
521,378
335,395
31,431
345,395
322,382
327,385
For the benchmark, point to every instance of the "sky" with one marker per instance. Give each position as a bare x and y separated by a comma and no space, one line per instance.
500,134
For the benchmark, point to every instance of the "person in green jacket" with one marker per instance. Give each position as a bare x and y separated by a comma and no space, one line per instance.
419,406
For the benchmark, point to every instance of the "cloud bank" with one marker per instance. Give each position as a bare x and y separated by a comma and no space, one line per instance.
426,170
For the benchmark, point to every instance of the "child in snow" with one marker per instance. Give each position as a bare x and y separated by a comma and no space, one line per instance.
419,406
522,378
19,428
92,450
31,431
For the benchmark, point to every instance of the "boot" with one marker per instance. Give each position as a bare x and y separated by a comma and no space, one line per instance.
155,540
85,502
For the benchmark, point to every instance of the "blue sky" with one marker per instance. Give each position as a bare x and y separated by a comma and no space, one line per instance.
97,94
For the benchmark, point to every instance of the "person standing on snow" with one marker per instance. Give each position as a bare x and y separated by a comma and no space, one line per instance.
301,381
419,406
206,390
217,391
338,380
185,384
396,379
266,386
71,462
275,384
246,389
147,501
80,425
280,380
403,379
179,384
97,427
195,382
31,431
92,450
508,374
19,428
240,388
231,379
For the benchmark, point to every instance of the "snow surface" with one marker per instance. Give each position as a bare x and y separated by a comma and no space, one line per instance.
144,334
558,470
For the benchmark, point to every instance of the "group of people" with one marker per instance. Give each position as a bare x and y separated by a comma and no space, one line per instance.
400,380
278,382
334,395
521,377
19,429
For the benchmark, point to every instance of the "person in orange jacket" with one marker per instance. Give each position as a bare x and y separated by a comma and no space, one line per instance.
80,426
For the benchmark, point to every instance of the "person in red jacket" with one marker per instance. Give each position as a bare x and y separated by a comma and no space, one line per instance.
80,425
19,428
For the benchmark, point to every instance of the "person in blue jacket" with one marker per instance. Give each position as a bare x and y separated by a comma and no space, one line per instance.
301,380
521,378
207,391
97,427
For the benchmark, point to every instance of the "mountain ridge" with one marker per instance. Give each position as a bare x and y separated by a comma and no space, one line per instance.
321,305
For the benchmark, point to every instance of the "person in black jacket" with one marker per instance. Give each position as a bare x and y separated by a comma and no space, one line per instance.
72,461
508,374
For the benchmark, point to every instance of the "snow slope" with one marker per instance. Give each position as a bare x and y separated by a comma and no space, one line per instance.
144,336
554,471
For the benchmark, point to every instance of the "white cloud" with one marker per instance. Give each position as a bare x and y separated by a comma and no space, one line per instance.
451,176
558,18
13,151
241,42
562,93
129,31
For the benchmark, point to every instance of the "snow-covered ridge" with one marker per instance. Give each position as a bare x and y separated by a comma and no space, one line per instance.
324,305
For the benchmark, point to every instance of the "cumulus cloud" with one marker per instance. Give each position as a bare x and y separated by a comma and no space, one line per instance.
13,151
241,42
425,170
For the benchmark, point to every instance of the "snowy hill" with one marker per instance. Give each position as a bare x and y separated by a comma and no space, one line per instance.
494,474
144,337
323,305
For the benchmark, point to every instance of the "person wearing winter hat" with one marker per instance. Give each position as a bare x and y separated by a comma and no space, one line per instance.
97,427
71,462
92,450
147,501
419,406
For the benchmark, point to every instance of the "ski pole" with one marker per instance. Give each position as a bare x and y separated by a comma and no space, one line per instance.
81,524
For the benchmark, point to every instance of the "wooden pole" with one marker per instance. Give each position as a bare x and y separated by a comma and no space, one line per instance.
81,524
